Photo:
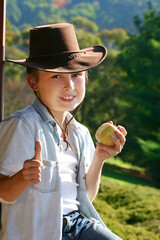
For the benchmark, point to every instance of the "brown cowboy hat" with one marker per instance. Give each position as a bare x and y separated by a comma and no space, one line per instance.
54,48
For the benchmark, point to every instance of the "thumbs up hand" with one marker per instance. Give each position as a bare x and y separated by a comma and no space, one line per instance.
31,171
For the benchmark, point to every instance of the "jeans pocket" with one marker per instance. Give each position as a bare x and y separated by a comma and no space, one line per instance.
49,177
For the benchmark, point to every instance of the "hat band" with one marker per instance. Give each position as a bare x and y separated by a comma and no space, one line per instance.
70,55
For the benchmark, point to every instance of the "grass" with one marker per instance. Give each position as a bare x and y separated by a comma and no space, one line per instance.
119,162
113,173
128,205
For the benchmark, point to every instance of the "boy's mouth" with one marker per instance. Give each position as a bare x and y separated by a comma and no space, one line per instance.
68,98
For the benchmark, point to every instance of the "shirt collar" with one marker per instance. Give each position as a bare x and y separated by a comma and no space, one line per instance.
42,110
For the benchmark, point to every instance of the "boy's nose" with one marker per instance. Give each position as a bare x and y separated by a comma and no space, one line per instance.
68,83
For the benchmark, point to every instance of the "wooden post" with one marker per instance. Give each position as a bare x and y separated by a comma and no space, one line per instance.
2,54
2,59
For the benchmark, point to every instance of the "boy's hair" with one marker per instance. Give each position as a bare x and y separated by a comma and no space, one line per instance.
34,72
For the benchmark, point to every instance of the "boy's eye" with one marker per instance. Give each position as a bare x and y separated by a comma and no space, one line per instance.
56,76
77,74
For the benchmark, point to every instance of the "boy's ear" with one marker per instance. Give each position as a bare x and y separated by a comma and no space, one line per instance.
32,82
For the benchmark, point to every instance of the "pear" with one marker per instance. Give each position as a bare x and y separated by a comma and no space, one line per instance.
104,132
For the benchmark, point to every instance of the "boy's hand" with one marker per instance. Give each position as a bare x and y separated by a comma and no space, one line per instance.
31,171
103,152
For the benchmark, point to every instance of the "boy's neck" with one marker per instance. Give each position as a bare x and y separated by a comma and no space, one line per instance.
59,117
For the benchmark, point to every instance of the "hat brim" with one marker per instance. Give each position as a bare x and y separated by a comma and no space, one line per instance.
69,62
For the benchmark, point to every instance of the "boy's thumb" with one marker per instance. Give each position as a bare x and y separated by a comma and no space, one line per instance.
38,151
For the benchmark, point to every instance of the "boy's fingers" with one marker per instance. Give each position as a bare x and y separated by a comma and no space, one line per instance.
32,163
121,138
122,129
38,151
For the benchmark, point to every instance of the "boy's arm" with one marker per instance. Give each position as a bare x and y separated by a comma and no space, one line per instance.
102,153
93,177
12,187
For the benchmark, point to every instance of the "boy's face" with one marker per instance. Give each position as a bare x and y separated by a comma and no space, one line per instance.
59,92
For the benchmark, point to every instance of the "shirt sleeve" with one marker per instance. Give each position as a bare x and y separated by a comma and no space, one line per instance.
17,144
87,147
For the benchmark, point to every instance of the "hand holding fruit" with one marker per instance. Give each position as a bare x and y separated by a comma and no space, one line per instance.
104,134
111,139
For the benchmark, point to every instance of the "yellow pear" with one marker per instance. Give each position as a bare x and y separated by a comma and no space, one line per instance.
104,132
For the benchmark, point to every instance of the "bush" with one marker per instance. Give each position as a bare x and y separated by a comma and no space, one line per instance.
131,211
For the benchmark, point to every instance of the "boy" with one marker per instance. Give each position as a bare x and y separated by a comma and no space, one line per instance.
49,169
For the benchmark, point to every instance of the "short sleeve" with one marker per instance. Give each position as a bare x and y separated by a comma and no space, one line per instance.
17,144
87,147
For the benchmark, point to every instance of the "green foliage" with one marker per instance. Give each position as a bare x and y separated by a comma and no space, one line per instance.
124,175
107,14
117,14
139,58
13,11
17,95
84,9
151,152
34,12
131,211
117,161
113,37
84,23
87,39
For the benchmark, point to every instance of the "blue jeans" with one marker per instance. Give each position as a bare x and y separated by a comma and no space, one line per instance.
76,226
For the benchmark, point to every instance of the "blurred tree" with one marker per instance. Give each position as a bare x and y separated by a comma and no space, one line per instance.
14,74
13,101
114,37
87,39
84,23
116,14
83,9
60,3
140,58
13,11
12,37
25,37
107,14
38,12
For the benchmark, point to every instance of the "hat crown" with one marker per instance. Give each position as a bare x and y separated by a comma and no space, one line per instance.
54,48
52,39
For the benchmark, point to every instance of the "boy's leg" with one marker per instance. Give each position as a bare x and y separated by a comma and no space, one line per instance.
97,232
66,238
80,227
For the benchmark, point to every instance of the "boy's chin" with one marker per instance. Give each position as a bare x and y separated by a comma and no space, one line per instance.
71,109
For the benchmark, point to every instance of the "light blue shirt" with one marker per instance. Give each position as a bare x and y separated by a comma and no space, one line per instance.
37,214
